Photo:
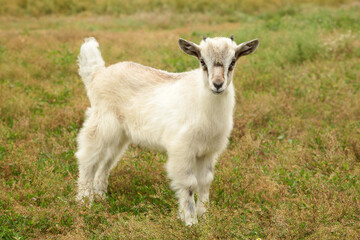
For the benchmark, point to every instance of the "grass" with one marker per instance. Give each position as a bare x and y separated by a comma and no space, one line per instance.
113,7
292,168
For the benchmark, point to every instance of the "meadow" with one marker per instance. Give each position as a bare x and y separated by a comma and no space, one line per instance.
292,167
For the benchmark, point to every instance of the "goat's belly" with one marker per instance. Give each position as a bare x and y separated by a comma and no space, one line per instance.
148,143
162,142
143,136
164,134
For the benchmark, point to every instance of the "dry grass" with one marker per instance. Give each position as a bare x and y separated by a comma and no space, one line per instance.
115,7
292,168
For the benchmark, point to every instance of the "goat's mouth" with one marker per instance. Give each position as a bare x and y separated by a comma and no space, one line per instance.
217,91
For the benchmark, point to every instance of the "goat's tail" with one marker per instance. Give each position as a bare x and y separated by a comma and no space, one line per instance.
89,60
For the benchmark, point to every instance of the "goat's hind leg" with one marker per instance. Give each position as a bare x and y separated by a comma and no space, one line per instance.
114,154
180,170
96,143
88,157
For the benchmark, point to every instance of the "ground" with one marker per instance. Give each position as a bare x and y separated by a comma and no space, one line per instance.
291,170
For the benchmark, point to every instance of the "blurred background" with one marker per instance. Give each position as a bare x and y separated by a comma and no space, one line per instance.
113,7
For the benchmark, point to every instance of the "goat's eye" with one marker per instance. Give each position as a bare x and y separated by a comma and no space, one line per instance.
203,64
231,66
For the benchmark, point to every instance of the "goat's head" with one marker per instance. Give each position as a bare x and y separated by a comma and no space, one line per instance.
217,57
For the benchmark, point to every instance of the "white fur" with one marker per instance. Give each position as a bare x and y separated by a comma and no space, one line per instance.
173,112
90,60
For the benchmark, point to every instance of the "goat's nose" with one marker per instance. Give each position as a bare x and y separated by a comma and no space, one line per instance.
218,85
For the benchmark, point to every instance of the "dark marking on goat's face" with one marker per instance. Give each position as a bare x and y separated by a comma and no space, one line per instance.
190,192
219,64
203,65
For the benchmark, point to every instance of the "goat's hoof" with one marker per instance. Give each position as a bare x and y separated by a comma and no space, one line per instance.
84,198
191,221
188,218
200,211
100,195
80,198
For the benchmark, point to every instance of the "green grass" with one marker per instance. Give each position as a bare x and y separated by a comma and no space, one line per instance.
113,7
292,167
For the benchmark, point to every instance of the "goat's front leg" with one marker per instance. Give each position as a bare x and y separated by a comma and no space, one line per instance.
204,175
180,168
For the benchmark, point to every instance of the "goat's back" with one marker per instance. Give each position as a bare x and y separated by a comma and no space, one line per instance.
155,106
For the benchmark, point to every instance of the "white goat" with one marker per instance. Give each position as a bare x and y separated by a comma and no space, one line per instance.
188,115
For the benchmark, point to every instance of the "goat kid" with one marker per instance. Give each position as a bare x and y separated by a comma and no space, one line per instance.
188,115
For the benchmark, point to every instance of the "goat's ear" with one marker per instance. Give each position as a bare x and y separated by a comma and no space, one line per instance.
246,48
189,47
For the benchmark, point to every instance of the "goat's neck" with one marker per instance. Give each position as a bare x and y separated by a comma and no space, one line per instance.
215,102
